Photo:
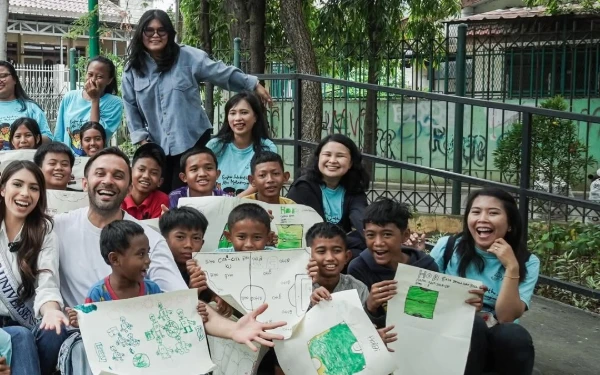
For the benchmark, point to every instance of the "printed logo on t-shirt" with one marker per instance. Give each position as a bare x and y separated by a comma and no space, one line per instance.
232,184
4,134
333,219
75,136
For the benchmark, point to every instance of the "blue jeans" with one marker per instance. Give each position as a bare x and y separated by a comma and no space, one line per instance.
34,352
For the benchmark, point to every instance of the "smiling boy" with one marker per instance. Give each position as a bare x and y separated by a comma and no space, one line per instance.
386,229
268,177
145,200
199,171
56,161
249,229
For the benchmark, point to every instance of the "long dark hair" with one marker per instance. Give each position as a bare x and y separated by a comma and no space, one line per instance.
356,180
514,237
95,126
20,94
31,125
136,49
37,225
113,87
260,130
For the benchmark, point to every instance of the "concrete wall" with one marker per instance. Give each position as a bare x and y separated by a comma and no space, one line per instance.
421,132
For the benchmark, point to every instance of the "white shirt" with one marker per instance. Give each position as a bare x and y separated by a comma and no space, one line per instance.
82,264
47,284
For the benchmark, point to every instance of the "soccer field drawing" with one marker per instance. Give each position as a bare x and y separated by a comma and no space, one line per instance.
420,302
290,236
336,351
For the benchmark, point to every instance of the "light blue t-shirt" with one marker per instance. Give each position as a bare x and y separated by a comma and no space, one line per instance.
11,110
492,276
234,164
75,111
333,203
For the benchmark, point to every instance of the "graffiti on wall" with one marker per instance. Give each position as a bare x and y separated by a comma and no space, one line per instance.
423,130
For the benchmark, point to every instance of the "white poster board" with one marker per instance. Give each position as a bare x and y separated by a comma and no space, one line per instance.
60,201
246,280
335,337
290,221
232,358
154,334
430,312
11,155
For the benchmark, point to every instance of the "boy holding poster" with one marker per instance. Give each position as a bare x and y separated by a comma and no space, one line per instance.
184,228
125,248
328,249
249,229
386,230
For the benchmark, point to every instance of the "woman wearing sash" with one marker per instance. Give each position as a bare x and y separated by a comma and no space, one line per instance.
29,283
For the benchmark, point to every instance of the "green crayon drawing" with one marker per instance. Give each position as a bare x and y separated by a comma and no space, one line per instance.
86,309
141,360
420,302
223,241
337,352
186,324
100,352
125,325
290,236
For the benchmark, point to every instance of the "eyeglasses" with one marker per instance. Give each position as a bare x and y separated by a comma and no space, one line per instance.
150,31
5,75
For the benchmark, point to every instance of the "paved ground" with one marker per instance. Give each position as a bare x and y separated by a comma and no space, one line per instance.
566,339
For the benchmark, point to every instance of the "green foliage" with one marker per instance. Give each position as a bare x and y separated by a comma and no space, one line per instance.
571,253
558,157
81,26
565,6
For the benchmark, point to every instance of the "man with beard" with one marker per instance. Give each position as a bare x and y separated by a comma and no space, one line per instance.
107,180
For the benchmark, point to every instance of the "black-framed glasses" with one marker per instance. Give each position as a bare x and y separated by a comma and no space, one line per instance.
150,31
5,75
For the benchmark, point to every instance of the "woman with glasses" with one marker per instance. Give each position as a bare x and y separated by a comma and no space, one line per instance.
15,103
161,91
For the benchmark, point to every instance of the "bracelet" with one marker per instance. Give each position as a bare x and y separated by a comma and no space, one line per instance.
511,277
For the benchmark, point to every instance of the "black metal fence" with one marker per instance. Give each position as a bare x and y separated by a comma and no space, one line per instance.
435,196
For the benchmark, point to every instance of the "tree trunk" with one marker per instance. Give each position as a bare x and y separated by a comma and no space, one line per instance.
298,35
3,29
250,20
373,35
206,40
239,27
257,21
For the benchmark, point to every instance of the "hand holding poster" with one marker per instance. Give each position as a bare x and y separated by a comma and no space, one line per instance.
290,221
154,334
335,337
431,316
246,280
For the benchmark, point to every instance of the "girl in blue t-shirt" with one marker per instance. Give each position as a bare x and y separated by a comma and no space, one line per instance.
25,134
243,133
97,102
335,185
493,250
93,138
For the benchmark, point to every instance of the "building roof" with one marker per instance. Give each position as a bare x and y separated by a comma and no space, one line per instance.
66,9
513,13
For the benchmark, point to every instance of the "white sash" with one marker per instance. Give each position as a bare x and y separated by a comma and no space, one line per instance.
19,311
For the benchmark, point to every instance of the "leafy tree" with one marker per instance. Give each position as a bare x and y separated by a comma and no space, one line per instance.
564,6
380,22
558,157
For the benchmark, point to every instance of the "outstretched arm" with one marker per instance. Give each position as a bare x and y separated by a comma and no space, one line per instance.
245,330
